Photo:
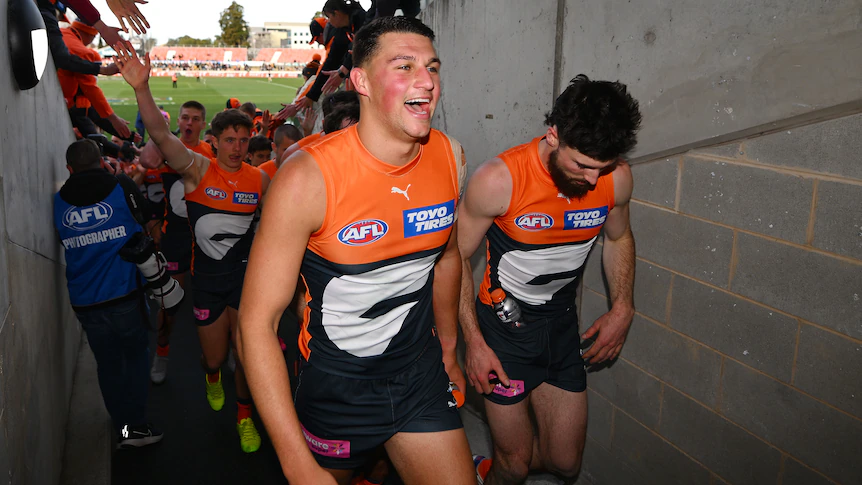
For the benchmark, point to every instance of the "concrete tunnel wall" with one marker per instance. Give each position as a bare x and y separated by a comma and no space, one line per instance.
39,335
744,362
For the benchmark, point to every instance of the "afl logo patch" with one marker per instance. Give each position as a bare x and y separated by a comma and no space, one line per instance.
534,221
215,193
84,218
363,232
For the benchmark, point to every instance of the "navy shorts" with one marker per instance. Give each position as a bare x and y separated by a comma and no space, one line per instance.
177,248
212,294
545,350
344,419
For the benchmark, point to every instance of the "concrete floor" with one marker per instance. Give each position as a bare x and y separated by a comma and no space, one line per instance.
201,446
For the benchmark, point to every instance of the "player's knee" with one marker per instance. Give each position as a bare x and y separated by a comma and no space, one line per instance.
567,467
212,363
512,467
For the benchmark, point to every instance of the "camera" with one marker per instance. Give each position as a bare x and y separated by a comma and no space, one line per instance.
141,250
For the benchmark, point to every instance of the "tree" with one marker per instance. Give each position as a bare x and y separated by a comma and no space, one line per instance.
234,28
187,41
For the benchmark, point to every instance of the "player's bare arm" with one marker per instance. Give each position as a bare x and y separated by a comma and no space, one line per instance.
618,260
295,208
447,277
487,196
137,73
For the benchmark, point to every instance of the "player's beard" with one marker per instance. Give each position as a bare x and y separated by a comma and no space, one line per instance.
569,187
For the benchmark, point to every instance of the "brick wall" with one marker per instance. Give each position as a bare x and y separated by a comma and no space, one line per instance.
744,361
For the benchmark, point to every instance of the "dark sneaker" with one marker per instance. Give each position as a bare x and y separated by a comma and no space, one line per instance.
137,436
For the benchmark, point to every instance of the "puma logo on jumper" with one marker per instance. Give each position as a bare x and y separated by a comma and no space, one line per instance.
396,190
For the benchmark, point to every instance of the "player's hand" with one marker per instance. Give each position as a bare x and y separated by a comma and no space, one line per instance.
265,122
333,83
453,370
308,122
121,125
481,361
111,35
289,111
137,139
612,329
304,103
127,12
135,72
109,70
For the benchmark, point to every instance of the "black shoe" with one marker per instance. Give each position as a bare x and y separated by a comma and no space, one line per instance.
137,436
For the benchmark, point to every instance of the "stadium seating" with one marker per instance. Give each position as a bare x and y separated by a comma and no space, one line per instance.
273,55
221,54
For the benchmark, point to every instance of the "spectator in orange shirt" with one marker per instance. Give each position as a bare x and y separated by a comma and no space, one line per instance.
84,99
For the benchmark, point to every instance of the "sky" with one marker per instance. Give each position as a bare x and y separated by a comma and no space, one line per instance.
170,18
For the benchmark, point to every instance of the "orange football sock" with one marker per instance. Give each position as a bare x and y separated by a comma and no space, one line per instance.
243,411
213,378
483,467
163,351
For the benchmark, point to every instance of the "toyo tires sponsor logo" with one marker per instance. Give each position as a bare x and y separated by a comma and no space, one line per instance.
215,193
363,232
534,221
585,219
85,218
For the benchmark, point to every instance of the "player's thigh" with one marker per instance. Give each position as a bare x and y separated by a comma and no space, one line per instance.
214,339
341,476
511,431
561,419
233,320
432,458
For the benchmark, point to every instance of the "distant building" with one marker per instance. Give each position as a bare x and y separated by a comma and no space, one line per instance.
285,35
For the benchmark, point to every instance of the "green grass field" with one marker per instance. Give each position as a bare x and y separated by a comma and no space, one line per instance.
213,94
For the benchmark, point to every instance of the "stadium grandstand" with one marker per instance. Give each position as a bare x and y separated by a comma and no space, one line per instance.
274,55
230,61
218,54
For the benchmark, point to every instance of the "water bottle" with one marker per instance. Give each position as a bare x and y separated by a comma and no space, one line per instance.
507,309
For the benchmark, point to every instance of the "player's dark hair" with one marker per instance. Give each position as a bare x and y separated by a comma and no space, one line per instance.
287,130
83,154
248,108
259,143
230,118
208,132
346,6
197,106
339,98
367,40
334,121
597,118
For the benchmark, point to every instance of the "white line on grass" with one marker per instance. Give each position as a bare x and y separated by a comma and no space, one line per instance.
275,84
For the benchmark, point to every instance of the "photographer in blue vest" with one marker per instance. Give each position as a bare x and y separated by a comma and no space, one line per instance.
98,218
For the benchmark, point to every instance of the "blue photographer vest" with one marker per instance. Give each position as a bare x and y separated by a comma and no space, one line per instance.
92,237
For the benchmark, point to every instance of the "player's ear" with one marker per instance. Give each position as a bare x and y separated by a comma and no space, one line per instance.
359,78
69,168
552,137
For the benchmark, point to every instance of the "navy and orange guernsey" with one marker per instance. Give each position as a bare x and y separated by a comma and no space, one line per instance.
176,215
368,270
536,250
221,211
155,191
